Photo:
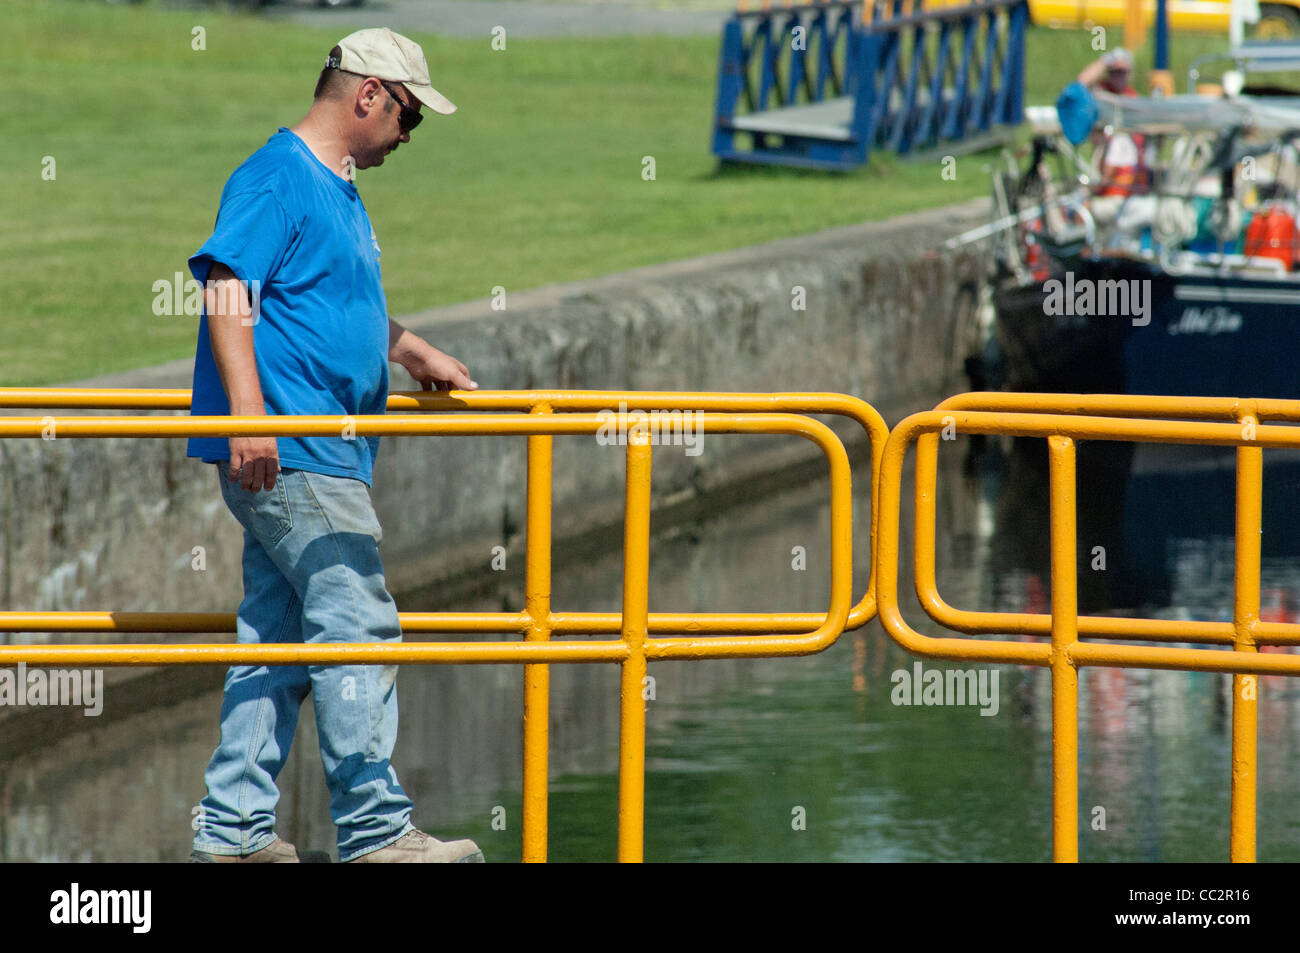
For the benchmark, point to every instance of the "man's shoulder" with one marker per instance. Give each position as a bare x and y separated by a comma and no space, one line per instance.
274,168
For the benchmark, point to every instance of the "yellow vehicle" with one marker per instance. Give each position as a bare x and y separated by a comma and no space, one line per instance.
1277,20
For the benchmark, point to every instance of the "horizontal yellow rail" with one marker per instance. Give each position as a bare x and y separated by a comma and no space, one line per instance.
863,414
1074,428
683,646
1242,412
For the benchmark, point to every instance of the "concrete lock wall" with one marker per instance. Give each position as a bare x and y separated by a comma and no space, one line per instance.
135,525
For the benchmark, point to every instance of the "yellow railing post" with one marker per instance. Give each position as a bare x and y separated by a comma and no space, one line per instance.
636,578
1065,633
924,531
1245,614
1135,30
537,675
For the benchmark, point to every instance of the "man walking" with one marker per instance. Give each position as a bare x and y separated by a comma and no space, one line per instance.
295,322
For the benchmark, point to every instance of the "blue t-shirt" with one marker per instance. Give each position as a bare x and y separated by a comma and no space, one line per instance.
299,236
1076,107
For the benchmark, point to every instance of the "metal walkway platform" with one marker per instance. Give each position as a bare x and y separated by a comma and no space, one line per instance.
831,119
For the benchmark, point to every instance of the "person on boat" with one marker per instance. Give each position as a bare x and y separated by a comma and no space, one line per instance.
1123,166
1122,158
1113,73
1076,107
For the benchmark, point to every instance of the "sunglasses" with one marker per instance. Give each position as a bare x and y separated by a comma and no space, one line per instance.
408,118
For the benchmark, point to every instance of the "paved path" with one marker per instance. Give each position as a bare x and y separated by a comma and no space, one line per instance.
478,17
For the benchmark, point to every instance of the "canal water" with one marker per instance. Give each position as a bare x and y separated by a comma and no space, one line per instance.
810,759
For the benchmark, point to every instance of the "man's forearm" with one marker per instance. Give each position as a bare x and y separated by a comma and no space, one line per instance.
424,362
396,346
1091,73
230,331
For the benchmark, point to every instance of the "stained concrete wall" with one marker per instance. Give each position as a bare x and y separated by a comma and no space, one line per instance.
114,524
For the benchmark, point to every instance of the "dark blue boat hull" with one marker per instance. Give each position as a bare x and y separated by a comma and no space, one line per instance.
1197,334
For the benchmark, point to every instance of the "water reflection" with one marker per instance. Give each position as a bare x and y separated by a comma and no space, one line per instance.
796,759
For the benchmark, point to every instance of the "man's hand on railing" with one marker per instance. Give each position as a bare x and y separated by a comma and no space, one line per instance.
424,362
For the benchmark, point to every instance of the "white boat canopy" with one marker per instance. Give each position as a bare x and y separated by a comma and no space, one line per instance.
1193,113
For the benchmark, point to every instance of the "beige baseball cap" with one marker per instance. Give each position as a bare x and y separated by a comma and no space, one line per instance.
1118,59
381,53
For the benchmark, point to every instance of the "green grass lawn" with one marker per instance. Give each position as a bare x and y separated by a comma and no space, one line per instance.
536,179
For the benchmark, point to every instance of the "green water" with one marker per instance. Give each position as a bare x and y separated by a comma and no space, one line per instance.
880,782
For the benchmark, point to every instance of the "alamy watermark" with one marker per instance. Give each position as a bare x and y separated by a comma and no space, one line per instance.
1084,297
131,908
78,688
180,296
953,686
666,428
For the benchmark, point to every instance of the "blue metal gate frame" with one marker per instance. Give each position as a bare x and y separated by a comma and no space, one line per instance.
820,84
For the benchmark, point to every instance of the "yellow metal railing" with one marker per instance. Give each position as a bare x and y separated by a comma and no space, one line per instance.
711,635
1061,420
643,635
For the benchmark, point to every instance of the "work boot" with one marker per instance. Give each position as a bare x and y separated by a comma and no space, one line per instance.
276,852
417,847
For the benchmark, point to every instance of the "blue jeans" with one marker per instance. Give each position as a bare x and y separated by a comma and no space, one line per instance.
312,573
